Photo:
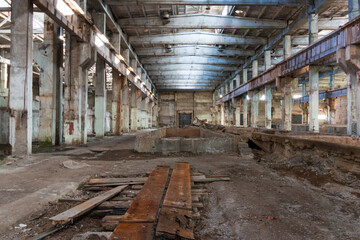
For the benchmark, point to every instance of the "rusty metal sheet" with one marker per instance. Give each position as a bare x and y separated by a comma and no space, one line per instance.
178,193
133,231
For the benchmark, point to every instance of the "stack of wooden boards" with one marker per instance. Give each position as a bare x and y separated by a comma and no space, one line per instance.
163,207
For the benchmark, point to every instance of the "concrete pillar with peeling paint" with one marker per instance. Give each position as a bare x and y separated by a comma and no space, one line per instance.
313,28
3,75
245,111
46,56
267,57
125,106
313,98
238,80
348,60
313,78
222,114
100,98
287,46
268,105
116,103
354,8
255,68
78,58
100,21
286,108
20,94
254,97
245,75
134,96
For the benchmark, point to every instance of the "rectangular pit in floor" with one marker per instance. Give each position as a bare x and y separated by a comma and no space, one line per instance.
174,140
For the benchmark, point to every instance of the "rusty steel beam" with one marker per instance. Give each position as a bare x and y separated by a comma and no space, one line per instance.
321,52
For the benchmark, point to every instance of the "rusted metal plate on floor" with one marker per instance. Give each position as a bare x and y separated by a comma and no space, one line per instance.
175,222
138,222
133,231
176,212
178,193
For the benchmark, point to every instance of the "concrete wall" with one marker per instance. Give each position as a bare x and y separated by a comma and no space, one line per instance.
171,104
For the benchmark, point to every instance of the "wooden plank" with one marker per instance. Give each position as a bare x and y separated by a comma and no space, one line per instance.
132,231
209,180
138,222
99,181
176,212
84,207
175,222
179,191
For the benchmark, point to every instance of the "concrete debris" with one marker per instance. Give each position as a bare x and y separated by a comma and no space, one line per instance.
70,164
92,236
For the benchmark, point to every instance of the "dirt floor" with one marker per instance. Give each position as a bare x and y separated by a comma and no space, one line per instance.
265,199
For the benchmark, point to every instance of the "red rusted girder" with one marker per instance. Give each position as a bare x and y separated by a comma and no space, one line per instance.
320,52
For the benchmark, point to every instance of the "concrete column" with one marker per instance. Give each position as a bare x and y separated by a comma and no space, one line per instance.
237,111
287,46
254,95
255,68
134,108
268,100
348,60
267,57
3,75
20,94
222,114
226,88
100,98
115,40
100,21
133,64
116,103
286,108
304,106
245,111
125,105
231,85
313,28
245,75
46,56
353,9
314,98
238,80
126,55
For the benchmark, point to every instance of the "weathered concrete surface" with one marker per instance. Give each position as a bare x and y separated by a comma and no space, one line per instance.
195,140
100,98
45,55
21,79
274,202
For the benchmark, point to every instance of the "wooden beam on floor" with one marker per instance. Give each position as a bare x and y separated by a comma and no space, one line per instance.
72,213
176,212
138,221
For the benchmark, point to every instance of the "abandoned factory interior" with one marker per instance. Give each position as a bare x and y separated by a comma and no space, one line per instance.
181,120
